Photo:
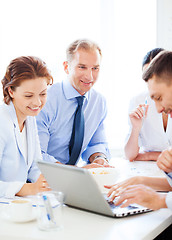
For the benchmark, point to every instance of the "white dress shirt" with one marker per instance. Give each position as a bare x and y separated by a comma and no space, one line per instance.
152,136
169,200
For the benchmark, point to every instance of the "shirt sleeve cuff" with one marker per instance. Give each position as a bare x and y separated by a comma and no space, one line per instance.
13,188
168,200
94,149
169,178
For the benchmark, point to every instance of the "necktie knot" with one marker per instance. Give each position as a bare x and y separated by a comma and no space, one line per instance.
80,100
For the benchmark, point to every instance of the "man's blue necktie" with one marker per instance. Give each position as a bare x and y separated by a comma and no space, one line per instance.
77,136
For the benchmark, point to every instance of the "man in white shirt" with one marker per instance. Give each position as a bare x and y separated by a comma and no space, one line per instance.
159,79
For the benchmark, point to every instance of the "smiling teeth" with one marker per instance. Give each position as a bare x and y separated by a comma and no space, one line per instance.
35,108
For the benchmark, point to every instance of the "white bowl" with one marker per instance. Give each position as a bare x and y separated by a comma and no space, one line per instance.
104,176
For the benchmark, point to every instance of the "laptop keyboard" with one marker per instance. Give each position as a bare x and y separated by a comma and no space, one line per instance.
122,212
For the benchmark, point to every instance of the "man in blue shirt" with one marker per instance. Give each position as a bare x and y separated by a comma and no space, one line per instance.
55,121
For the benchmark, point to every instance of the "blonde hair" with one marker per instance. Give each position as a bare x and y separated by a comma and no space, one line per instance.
81,44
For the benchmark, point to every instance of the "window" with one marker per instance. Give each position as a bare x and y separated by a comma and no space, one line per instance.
125,30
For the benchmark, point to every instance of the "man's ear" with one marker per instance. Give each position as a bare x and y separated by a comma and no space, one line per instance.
66,67
11,92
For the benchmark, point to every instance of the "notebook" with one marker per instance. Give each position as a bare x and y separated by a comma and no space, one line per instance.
81,190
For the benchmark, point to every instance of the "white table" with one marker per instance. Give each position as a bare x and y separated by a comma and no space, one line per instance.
82,225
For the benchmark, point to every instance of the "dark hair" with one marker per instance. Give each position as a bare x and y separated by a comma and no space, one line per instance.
150,55
81,44
161,67
23,68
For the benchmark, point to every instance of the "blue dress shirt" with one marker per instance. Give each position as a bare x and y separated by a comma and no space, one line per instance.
55,123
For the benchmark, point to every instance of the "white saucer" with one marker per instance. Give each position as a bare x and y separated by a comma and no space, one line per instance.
30,218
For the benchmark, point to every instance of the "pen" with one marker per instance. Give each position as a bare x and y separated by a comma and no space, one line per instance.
146,101
144,108
48,208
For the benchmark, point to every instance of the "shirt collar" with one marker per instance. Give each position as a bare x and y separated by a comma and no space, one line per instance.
70,92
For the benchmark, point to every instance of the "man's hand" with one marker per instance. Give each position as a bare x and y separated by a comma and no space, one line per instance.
98,160
92,165
147,156
118,187
102,161
142,195
98,163
164,161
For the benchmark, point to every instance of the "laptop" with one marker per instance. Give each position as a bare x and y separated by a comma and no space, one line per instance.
81,190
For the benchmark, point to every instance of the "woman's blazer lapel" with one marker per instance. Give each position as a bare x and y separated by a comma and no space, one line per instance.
16,128
30,140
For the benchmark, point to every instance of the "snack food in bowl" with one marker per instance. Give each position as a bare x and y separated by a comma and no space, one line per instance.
104,176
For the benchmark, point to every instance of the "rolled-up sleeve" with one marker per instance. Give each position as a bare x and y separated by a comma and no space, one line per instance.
169,178
9,189
169,200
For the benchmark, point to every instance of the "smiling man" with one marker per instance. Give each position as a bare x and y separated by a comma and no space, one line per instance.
143,190
159,80
72,103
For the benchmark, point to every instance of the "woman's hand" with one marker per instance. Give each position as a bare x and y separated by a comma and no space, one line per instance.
40,185
136,117
147,156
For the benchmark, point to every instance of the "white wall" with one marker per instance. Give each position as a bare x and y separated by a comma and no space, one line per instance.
164,24
124,29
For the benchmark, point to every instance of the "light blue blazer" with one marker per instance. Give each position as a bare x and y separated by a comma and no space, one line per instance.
14,169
